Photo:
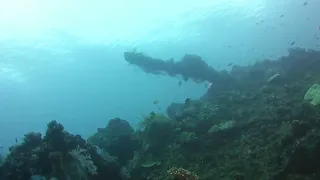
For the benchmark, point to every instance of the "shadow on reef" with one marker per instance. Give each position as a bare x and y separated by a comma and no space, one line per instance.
260,122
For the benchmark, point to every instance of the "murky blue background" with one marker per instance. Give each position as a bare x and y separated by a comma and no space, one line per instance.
63,60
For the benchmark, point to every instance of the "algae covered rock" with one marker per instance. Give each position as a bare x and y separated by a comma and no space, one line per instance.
313,94
186,137
116,139
158,131
221,126
175,110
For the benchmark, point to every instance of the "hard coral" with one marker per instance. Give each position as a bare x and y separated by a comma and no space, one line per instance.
181,174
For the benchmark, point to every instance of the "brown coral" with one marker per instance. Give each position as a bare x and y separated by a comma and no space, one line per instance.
181,174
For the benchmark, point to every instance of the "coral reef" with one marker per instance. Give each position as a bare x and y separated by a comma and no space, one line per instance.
58,155
116,139
256,125
256,122
181,174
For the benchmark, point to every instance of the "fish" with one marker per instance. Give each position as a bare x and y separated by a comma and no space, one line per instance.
152,114
155,102
187,101
180,83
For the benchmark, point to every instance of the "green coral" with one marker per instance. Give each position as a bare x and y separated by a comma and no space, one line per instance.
313,94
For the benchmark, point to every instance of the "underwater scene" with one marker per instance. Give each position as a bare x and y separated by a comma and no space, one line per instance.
160,90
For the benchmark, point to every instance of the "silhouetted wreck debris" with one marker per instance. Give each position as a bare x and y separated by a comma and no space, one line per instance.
190,66
264,72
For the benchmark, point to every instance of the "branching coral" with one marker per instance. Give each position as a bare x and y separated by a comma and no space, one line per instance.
181,174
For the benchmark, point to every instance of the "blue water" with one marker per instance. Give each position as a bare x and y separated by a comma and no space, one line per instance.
64,60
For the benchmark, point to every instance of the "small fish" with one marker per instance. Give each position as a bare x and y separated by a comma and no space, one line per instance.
305,3
152,114
292,43
205,85
210,84
187,101
155,102
16,140
230,64
281,15
180,83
